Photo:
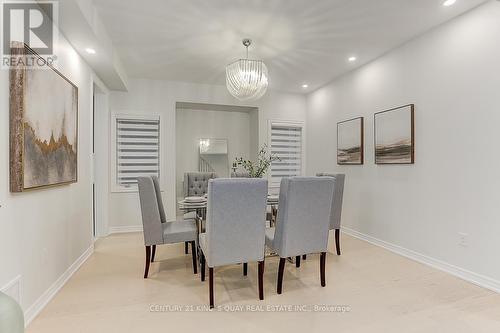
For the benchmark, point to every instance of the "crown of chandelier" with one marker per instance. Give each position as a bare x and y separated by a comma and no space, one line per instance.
247,79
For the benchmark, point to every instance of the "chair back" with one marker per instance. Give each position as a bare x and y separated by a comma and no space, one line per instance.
303,215
196,183
151,220
236,220
240,174
156,183
338,197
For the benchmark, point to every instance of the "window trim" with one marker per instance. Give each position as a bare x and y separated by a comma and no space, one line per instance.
288,123
115,188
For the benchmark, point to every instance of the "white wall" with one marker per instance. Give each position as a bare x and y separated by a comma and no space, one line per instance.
160,97
254,135
192,125
101,160
452,74
44,232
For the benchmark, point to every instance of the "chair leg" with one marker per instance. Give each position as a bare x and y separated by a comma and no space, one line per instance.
153,255
186,248
195,263
281,270
337,240
211,283
304,256
322,263
148,260
261,280
297,261
202,262
245,268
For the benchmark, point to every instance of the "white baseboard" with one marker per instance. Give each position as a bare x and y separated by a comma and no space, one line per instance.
13,289
43,300
125,229
477,279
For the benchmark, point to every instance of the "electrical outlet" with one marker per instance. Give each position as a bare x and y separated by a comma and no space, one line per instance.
462,239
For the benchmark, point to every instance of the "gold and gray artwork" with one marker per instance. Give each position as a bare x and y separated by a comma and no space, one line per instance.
44,133
394,136
350,141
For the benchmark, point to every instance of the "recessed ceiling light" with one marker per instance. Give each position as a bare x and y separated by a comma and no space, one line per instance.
305,86
351,59
89,50
448,3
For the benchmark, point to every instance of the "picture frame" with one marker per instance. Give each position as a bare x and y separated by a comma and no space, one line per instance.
350,141
43,124
394,135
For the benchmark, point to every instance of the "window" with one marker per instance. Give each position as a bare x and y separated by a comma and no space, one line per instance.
136,150
287,142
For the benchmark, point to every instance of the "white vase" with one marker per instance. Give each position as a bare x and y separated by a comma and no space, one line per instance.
11,315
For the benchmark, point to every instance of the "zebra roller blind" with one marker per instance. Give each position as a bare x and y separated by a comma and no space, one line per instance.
137,149
286,143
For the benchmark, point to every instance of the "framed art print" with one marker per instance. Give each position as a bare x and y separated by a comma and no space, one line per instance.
395,136
350,142
43,125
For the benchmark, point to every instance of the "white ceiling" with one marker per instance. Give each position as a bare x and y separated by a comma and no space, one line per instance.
301,41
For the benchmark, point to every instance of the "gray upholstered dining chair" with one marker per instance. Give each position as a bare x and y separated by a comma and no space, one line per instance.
302,222
157,230
271,210
235,227
195,185
336,212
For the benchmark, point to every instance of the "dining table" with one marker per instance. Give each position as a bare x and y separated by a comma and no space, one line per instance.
199,205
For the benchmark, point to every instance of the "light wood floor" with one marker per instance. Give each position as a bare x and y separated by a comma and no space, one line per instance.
384,293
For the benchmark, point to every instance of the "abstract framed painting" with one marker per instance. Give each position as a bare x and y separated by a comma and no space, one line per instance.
350,142
395,135
43,124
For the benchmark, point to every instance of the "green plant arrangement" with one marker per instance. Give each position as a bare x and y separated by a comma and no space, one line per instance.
259,168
